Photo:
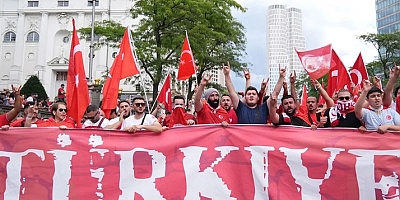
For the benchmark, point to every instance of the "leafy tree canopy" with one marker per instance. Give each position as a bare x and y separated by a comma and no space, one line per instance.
33,85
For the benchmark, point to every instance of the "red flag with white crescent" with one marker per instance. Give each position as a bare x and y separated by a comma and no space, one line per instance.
316,62
164,96
187,67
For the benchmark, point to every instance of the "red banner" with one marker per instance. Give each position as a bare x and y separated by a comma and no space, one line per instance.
204,162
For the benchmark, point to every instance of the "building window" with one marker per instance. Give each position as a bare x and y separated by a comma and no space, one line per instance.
65,39
10,37
61,76
63,3
90,3
32,37
137,87
33,3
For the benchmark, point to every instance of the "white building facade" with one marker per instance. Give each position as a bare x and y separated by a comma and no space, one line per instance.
284,34
36,39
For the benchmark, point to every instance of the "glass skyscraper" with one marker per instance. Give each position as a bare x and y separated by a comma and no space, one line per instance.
387,16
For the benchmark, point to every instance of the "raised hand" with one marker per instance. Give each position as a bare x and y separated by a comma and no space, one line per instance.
273,97
246,73
206,79
285,85
226,68
315,83
377,81
282,72
367,85
16,90
264,83
396,70
293,77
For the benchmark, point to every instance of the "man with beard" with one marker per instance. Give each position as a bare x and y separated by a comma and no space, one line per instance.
30,111
209,112
178,116
94,118
226,104
247,111
141,120
342,114
124,112
376,117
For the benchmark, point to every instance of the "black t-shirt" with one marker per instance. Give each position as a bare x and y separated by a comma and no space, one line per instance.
351,121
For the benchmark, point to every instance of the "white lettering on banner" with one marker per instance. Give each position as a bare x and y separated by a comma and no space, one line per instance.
145,187
207,183
62,173
259,167
13,180
365,171
309,187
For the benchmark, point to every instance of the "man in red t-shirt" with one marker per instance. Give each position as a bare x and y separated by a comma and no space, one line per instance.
59,118
178,115
30,111
61,93
6,118
226,104
209,111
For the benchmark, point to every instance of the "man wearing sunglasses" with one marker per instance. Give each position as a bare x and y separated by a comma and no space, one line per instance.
376,117
141,120
342,113
59,118
94,118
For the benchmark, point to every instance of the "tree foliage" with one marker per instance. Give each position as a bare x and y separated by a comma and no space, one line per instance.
388,49
304,78
108,31
33,85
215,36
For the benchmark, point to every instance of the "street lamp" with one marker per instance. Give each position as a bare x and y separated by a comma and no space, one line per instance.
120,92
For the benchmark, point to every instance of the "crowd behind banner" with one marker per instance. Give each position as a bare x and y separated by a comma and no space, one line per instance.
366,107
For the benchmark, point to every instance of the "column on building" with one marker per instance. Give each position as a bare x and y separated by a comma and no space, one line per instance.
16,69
43,49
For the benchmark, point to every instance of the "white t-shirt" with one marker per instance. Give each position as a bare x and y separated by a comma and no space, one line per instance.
90,124
130,121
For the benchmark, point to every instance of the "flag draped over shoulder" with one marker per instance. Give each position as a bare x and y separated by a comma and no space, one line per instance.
77,87
164,96
316,62
124,65
187,67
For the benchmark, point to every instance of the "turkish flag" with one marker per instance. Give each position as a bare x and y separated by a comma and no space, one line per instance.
77,87
359,72
124,65
165,94
339,70
187,67
316,62
304,96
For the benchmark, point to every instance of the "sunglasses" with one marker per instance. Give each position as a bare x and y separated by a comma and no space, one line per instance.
93,116
140,104
343,98
61,110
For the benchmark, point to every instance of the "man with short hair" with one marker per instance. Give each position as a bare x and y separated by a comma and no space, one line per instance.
342,113
94,118
59,118
226,104
209,111
178,116
141,120
376,117
124,112
30,111
248,111
61,93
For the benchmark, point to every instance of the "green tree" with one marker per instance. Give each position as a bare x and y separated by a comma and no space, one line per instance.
108,31
388,49
305,79
33,85
215,36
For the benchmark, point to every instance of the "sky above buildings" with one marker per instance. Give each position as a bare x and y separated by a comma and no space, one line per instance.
324,22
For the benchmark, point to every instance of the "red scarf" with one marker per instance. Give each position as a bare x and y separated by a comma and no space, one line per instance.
340,109
304,116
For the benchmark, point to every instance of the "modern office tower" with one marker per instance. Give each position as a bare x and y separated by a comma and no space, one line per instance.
284,34
387,16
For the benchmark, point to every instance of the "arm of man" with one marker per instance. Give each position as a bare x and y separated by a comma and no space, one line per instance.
388,91
271,102
17,104
117,124
155,127
358,108
230,87
198,105
329,101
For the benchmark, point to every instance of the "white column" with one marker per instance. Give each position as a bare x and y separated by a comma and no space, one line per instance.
80,22
43,39
20,40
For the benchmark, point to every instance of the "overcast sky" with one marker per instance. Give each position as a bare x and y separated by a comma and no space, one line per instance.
337,22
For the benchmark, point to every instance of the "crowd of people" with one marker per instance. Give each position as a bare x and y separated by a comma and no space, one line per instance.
368,109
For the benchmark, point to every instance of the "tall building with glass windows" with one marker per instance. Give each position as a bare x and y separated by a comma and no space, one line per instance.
284,34
387,16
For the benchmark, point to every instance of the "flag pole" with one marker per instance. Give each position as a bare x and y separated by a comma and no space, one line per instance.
159,92
140,69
